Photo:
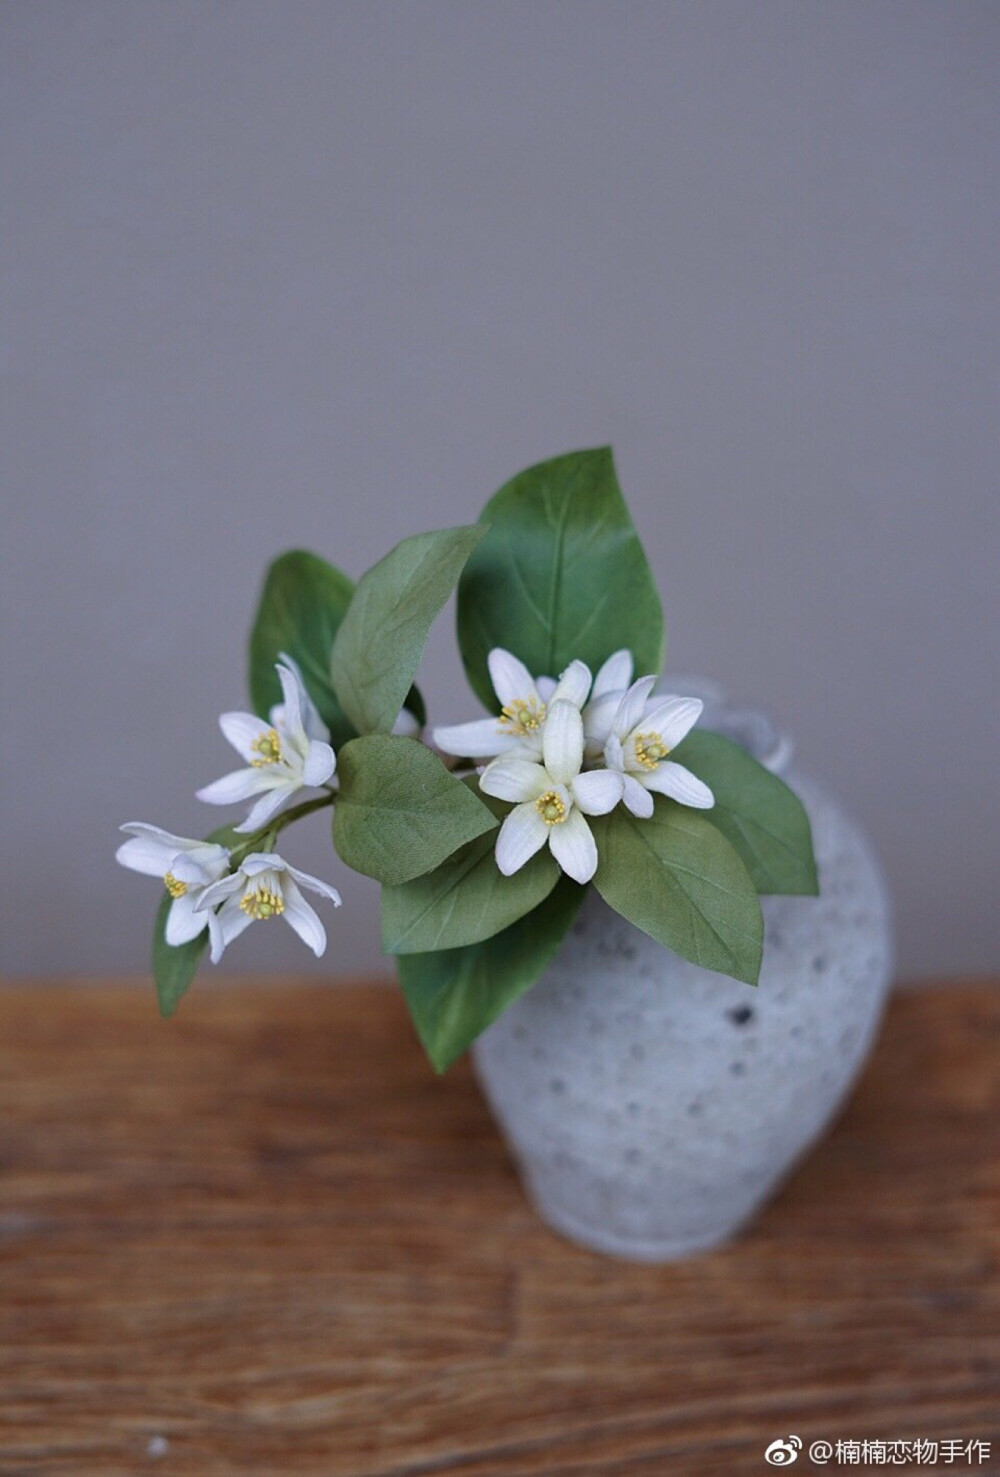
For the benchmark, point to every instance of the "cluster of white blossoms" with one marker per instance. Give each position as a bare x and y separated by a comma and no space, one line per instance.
562,751
284,756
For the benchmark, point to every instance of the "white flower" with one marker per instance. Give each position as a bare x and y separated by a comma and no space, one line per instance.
283,756
264,887
552,799
187,868
641,736
524,703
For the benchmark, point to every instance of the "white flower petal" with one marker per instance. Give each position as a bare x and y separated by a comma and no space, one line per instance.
574,848
262,861
522,834
633,705
680,784
311,721
240,785
672,718
225,926
573,686
637,798
513,778
407,725
615,675
545,687
303,919
597,791
241,729
314,884
268,805
613,753
155,833
183,923
320,763
210,856
187,869
562,741
512,682
150,851
292,692
481,739
598,717
218,892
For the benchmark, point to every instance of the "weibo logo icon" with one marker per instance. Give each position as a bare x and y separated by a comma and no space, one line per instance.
782,1453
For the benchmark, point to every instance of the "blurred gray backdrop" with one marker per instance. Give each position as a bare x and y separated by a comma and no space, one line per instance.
283,273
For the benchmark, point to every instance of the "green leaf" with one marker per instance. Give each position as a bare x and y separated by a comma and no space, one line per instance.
761,818
379,645
465,900
455,994
678,879
399,813
175,965
302,604
561,574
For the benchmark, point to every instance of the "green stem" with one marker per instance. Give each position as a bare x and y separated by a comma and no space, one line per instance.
264,840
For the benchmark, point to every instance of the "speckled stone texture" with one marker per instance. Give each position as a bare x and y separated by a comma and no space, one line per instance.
652,1105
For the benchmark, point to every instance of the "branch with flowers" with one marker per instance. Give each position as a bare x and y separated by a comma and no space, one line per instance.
486,837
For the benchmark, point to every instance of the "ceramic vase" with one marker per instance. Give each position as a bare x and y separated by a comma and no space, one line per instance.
653,1106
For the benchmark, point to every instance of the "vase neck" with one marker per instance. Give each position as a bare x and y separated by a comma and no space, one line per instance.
755,732
748,727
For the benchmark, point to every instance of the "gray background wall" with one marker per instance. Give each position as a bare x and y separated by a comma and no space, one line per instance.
326,274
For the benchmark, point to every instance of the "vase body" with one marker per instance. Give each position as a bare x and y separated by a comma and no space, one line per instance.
652,1105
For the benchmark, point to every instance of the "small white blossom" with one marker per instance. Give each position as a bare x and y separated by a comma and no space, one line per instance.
186,867
524,702
287,754
265,886
552,798
642,734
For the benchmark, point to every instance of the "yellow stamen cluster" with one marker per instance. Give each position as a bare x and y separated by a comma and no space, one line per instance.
268,747
523,717
262,903
175,888
551,807
650,749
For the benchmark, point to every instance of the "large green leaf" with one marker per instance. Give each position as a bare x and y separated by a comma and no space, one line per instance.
302,604
399,813
560,575
380,642
455,994
757,813
677,878
465,900
175,965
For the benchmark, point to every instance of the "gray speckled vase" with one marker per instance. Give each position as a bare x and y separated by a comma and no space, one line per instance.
652,1105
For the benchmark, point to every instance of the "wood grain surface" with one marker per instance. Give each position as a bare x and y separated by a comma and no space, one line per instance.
264,1238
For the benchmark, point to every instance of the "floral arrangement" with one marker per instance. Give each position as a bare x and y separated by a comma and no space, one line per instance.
486,838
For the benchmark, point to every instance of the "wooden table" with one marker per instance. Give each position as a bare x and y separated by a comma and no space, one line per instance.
264,1238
